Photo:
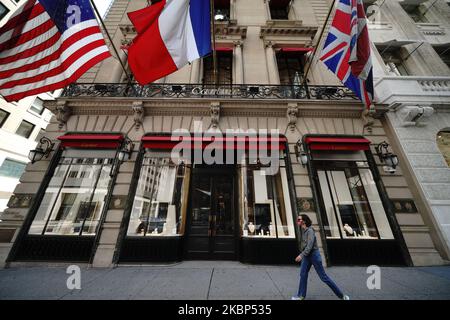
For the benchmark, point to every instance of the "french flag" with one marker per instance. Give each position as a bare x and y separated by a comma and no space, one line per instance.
171,34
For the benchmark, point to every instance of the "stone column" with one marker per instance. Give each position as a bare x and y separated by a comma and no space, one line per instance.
195,71
266,3
272,69
233,9
117,71
238,63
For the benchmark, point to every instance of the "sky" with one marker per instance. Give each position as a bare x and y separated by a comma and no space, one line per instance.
102,6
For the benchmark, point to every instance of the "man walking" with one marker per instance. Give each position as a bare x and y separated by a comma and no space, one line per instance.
310,255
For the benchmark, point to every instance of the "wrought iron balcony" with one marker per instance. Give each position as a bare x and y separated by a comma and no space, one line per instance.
209,91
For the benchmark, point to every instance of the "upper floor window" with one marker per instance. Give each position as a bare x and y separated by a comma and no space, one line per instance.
12,169
279,9
224,67
25,129
38,106
444,53
393,60
416,12
3,11
221,10
3,117
443,142
290,66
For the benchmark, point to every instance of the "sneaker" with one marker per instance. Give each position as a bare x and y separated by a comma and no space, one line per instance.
345,297
297,298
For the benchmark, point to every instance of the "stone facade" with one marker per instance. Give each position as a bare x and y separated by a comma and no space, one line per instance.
255,39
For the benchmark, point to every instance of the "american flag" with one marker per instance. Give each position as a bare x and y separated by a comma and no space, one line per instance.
347,49
48,44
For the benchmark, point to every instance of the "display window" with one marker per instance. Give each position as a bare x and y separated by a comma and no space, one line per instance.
352,206
266,209
159,205
75,197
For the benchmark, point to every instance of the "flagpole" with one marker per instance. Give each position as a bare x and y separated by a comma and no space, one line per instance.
110,40
318,41
213,26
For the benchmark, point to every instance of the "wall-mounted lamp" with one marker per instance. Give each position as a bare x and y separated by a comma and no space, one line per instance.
300,154
219,16
41,151
390,159
124,154
126,150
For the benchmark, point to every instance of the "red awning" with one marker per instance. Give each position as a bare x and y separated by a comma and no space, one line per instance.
99,141
247,143
337,144
300,50
224,49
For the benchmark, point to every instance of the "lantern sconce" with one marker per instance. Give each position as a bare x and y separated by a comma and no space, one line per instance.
42,150
386,157
300,154
126,150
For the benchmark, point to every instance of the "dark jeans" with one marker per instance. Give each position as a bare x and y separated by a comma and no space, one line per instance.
315,259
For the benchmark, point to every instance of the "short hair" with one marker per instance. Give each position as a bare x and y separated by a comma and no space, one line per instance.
307,220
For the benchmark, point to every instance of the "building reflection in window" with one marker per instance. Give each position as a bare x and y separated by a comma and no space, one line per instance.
74,199
159,206
353,207
443,142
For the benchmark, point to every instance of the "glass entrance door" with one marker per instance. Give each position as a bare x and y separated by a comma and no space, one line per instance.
212,233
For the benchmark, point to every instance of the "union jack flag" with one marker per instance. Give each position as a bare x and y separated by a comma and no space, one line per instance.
347,49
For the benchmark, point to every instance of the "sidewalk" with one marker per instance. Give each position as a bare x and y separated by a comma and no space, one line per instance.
212,280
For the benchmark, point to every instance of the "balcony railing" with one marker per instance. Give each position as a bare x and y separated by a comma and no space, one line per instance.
208,91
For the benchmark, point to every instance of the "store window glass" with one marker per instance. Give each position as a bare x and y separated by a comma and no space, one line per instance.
443,142
290,67
12,169
224,68
265,202
159,206
221,10
279,9
352,204
3,11
3,117
38,106
75,197
25,129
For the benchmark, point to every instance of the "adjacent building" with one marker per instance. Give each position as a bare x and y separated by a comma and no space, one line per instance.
22,124
118,187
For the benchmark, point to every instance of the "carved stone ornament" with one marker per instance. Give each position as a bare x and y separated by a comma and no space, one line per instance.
214,110
414,115
138,113
292,116
368,118
63,113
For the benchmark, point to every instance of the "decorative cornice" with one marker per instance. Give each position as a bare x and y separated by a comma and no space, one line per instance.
284,31
230,28
201,107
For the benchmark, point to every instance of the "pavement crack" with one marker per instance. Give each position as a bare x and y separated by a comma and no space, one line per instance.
210,281
278,289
